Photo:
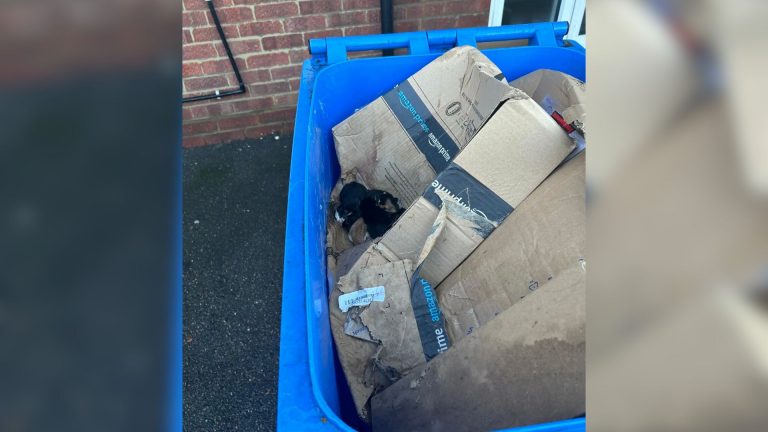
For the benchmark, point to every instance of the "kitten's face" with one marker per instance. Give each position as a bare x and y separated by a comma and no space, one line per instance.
386,201
389,204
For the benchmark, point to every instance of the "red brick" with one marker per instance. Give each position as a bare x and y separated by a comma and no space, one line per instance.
260,28
226,108
260,131
362,30
253,104
276,10
280,42
195,141
191,69
213,67
186,36
348,19
278,115
256,76
195,5
300,24
224,137
294,83
287,99
360,4
364,54
322,34
406,26
456,8
186,114
293,71
414,11
235,14
194,19
245,46
373,16
298,55
196,128
482,6
206,109
434,9
206,83
266,60
199,51
472,21
198,111
319,6
399,13
239,122
205,34
270,88
438,23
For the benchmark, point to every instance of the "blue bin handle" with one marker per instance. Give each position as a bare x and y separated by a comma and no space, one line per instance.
543,34
334,49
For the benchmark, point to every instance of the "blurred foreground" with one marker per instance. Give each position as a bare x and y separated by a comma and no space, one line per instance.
678,224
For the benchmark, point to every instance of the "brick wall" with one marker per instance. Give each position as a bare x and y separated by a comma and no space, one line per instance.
269,40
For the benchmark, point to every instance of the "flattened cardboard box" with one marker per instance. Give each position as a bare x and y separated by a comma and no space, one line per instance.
508,158
403,139
545,236
525,366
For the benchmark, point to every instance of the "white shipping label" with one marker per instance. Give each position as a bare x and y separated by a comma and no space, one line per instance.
362,297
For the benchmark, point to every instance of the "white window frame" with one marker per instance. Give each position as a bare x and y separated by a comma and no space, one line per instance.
573,12
570,10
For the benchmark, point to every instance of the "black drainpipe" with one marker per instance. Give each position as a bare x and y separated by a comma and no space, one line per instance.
386,21
240,85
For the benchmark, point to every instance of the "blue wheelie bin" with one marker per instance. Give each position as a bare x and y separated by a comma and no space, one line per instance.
312,391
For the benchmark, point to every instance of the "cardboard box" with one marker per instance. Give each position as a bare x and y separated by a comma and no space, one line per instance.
403,139
545,236
523,367
557,93
512,154
508,158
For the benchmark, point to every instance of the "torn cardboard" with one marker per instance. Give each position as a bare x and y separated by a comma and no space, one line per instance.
542,238
394,313
563,97
403,139
523,367
507,159
557,93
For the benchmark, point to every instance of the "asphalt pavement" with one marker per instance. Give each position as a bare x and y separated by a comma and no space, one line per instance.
234,227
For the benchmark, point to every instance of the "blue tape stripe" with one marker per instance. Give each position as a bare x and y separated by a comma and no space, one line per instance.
434,142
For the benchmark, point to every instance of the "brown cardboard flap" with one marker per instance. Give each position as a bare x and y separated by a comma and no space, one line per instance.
542,238
400,141
556,91
525,366
510,156
402,340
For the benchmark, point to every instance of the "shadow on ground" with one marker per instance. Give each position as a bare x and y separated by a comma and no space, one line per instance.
234,227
